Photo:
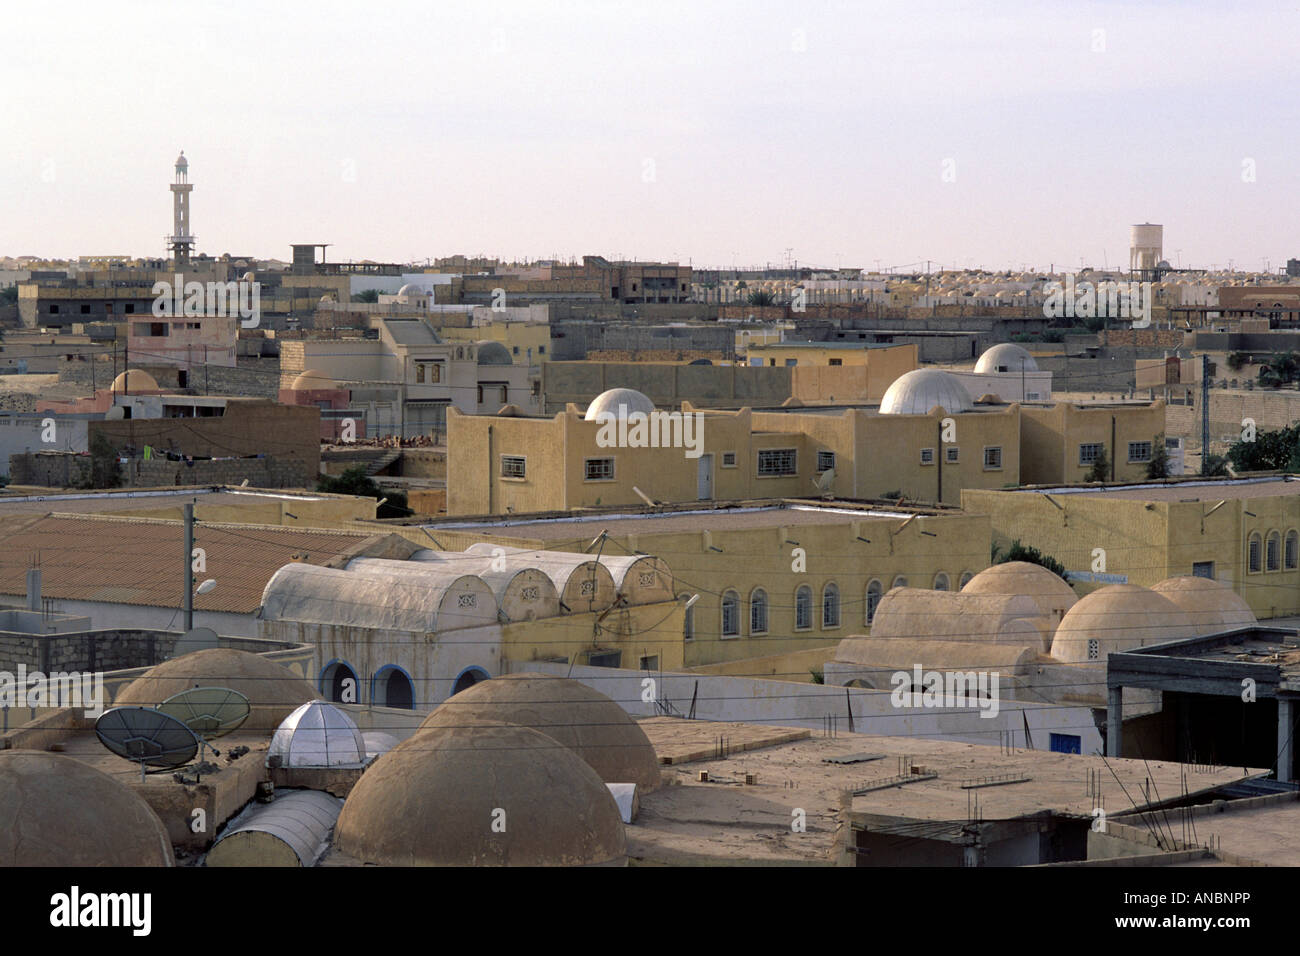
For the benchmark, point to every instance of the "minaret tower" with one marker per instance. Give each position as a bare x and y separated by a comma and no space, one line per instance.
180,241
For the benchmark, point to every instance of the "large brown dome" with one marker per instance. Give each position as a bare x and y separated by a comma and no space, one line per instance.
1115,618
1210,605
582,719
433,800
57,811
273,691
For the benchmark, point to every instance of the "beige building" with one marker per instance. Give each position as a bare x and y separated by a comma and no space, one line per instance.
1243,533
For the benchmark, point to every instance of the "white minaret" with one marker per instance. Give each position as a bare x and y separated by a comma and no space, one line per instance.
180,241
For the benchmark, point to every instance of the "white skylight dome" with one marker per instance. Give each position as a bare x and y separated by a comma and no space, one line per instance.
318,734
619,402
920,390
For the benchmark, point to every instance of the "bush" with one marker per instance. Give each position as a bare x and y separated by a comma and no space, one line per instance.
1158,466
1020,552
1100,470
104,472
355,481
1216,466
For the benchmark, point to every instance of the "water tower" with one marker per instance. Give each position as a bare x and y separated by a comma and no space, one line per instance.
1146,245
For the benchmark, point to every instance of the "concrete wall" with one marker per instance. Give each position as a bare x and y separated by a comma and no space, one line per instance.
667,385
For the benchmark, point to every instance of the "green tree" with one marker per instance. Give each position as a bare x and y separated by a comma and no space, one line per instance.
1100,470
1275,450
366,295
355,481
1216,466
1020,552
1158,466
104,472
759,297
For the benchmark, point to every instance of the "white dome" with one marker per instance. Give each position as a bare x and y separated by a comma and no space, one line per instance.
619,402
410,289
1006,357
318,734
920,390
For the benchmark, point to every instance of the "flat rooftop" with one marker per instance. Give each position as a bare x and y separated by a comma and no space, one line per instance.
727,820
118,502
743,518
1229,489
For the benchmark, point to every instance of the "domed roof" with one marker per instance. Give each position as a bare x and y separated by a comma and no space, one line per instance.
411,289
1049,591
584,720
317,734
1006,357
42,794
618,402
1210,605
273,691
1116,618
494,794
135,379
920,390
492,353
250,277
313,381
182,162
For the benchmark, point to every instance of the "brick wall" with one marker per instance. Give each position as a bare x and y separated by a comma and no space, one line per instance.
1142,338
269,472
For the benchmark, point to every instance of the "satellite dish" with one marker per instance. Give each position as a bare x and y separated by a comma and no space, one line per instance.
823,481
116,413
208,712
148,737
195,639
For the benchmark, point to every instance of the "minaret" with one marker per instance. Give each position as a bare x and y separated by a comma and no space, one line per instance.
180,241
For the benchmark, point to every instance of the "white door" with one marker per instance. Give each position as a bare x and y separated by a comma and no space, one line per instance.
705,484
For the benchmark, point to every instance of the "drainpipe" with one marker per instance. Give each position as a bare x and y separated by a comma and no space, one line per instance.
1114,451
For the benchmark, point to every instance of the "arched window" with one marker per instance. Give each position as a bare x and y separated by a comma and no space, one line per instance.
1292,546
830,606
1273,552
758,612
899,582
468,678
941,582
731,614
338,683
391,687
964,579
1253,563
803,608
874,591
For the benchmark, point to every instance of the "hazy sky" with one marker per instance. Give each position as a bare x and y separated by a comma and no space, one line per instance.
714,132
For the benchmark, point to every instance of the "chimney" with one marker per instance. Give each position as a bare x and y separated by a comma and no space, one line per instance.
33,589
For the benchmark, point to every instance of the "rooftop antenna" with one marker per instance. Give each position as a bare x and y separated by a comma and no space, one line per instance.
209,712
148,737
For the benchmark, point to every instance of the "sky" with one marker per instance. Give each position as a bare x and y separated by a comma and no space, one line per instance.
871,135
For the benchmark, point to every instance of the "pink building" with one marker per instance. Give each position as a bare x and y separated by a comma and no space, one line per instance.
190,341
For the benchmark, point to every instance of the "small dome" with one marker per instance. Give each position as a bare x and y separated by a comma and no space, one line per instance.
182,162
918,391
1210,605
135,380
41,794
511,411
411,289
313,381
586,721
317,734
1007,357
489,795
273,691
1049,591
492,353
619,402
1117,618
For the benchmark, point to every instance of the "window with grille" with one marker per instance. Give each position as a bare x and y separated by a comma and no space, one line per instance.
1139,451
512,466
927,456
1272,552
758,612
825,460
1291,549
1094,649
776,461
1253,554
728,459
600,469
803,608
1089,452
874,590
993,457
730,614
951,454
831,606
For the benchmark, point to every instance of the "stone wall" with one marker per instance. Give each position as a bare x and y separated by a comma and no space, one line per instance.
49,469
268,472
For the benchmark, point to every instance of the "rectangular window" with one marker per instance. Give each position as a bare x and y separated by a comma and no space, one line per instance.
513,466
728,459
950,454
1065,743
85,310
927,456
993,458
1139,451
130,308
1088,452
776,461
419,373
599,469
837,361
791,363
54,310
1203,569
825,460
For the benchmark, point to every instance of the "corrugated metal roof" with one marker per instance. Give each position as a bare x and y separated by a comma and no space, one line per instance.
137,560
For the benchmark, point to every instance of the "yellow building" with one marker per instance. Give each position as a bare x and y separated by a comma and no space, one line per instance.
883,364
1059,443
772,577
1243,533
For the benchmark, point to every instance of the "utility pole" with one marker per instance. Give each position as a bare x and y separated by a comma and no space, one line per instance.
1205,413
189,574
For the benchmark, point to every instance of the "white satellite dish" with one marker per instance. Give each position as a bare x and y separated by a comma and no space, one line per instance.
823,481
